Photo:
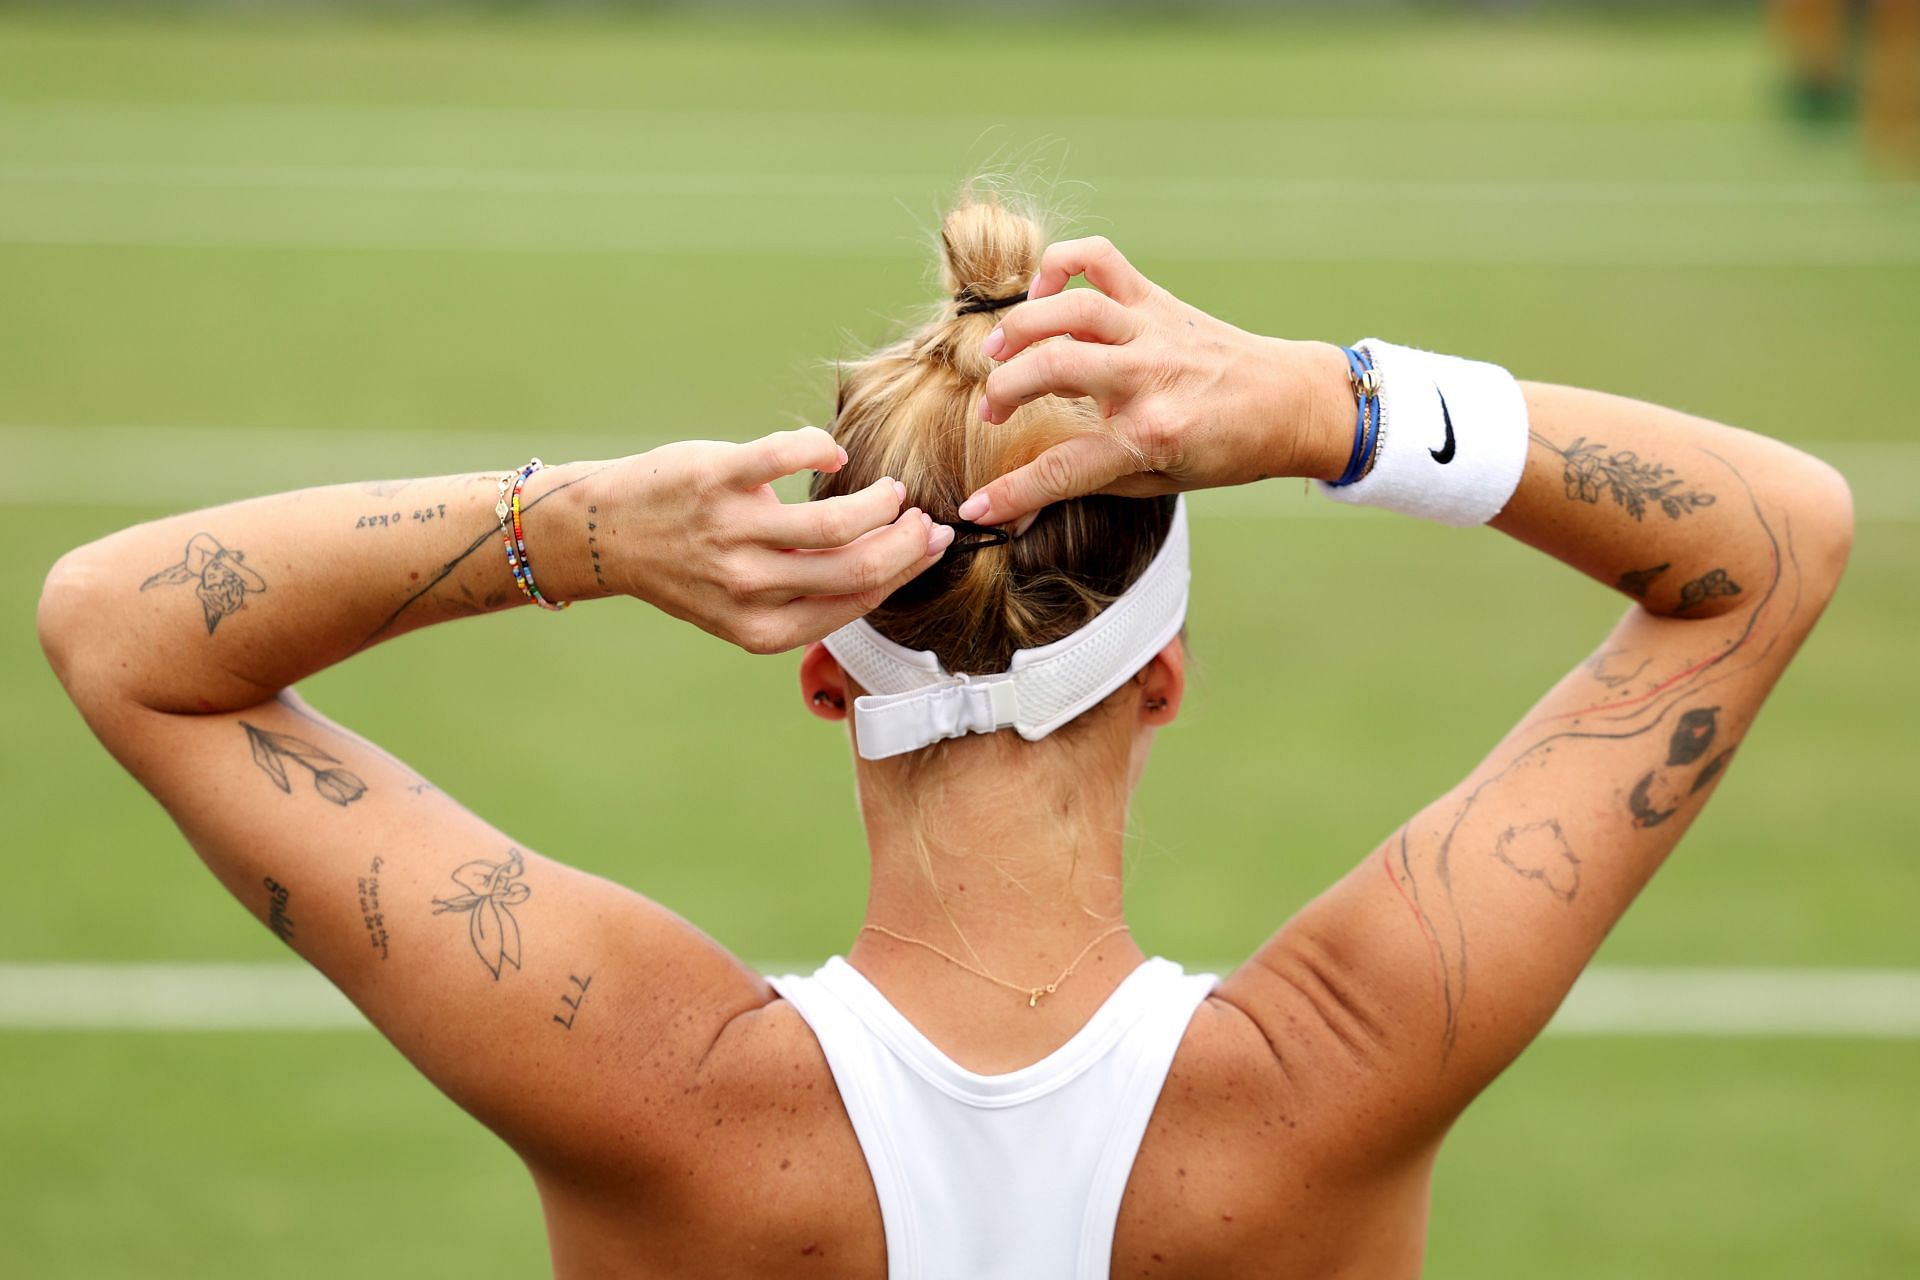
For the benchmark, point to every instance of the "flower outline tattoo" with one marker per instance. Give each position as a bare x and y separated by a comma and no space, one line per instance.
222,578
271,751
492,891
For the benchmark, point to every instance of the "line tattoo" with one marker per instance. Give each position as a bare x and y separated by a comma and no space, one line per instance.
1597,668
1636,581
277,918
221,577
1539,851
271,751
573,1000
492,891
1591,471
1714,582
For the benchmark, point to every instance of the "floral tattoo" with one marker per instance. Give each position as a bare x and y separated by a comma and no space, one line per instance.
222,578
1591,472
271,751
492,891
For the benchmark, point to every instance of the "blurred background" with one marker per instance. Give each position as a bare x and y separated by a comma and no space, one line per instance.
255,246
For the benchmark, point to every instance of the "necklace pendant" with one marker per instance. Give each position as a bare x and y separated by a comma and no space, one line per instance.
1033,997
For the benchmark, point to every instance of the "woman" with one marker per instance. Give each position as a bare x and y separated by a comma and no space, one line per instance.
996,1081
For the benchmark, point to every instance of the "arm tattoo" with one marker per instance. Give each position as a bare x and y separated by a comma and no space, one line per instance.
277,918
1636,581
1590,471
1713,583
492,891
593,545
1539,851
1693,736
271,751
1710,772
1597,668
392,519
573,999
221,577
370,913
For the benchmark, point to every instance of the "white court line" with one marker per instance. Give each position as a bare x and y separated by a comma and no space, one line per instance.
1694,1002
866,186
193,466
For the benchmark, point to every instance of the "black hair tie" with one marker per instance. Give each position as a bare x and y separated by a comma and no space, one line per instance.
971,305
969,537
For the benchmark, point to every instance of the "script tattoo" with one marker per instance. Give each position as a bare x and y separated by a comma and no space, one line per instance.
221,577
573,1000
593,544
1539,851
1636,581
1713,583
271,751
370,913
492,891
277,918
1591,471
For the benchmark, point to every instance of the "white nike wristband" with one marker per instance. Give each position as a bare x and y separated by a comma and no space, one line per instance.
1452,437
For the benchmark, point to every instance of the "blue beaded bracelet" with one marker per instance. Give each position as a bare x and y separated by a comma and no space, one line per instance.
1366,417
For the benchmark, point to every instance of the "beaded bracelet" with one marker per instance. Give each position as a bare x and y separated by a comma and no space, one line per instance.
1366,419
514,535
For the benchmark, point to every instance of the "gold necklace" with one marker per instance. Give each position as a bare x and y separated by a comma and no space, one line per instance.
1032,994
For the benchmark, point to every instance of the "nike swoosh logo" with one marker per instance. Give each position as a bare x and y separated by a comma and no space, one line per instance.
1444,454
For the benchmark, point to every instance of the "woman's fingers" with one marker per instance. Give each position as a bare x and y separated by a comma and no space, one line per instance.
813,617
866,563
762,461
1104,266
1082,465
1060,368
1084,315
832,522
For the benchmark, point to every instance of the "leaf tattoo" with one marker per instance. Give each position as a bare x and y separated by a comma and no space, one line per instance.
1633,484
271,751
492,891
222,577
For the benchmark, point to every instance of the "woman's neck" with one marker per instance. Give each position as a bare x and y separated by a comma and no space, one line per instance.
1019,878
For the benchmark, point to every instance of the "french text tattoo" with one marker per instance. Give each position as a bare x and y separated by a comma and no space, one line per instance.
393,519
221,578
1715,582
277,918
492,892
371,915
593,544
271,751
1636,581
1591,471
573,999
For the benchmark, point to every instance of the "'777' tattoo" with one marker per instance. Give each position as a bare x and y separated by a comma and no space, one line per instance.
221,576
271,751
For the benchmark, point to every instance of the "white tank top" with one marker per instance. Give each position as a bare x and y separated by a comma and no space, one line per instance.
1015,1175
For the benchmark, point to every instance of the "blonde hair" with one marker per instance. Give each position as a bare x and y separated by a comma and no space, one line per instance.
910,411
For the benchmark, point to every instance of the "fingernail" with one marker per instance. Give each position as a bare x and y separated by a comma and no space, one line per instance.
986,414
940,539
995,341
975,507
926,520
843,455
899,492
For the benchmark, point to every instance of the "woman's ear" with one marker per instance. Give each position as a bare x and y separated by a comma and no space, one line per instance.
1163,683
823,685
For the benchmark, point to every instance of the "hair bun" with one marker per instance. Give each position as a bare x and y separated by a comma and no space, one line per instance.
990,251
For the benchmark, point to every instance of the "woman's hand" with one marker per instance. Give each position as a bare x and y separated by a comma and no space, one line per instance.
1193,402
696,530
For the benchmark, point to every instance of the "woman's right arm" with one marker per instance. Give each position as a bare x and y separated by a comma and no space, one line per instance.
1443,953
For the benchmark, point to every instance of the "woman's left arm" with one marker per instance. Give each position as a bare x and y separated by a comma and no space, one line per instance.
501,974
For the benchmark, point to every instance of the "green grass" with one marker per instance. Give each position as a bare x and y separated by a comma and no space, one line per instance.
550,230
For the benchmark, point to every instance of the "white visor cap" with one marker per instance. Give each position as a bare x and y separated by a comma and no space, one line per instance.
915,702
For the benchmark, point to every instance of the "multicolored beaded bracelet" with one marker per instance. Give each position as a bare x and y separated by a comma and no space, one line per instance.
514,535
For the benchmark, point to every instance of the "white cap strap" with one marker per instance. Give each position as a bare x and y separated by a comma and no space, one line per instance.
915,702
